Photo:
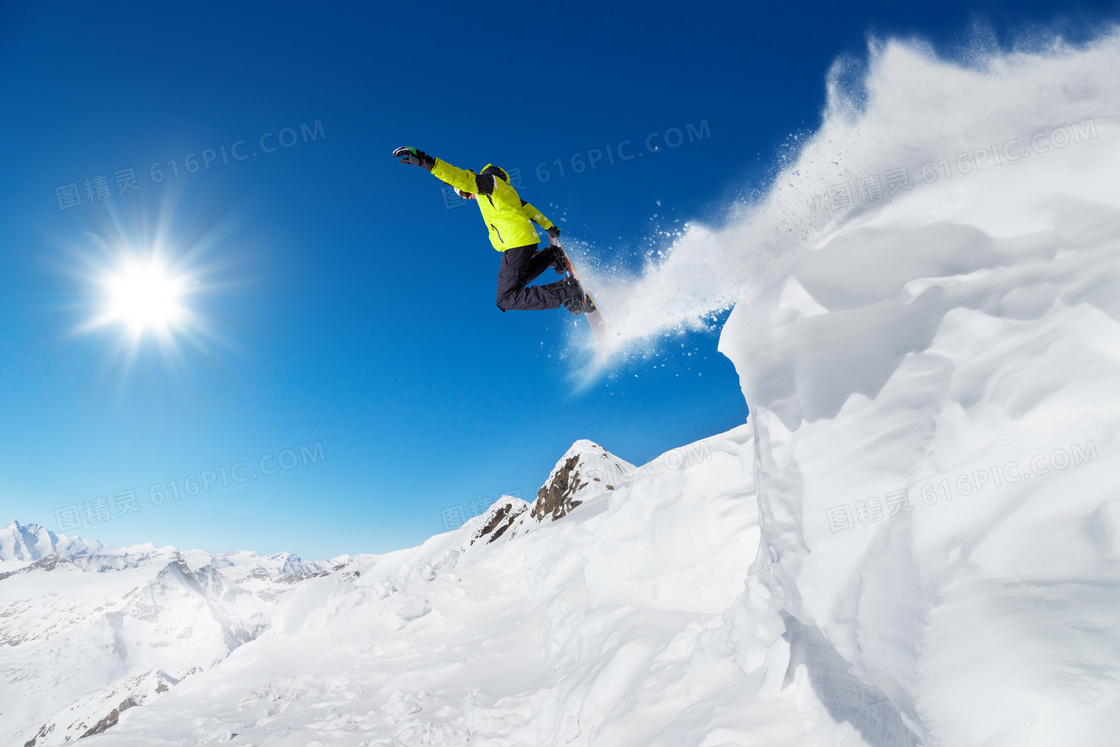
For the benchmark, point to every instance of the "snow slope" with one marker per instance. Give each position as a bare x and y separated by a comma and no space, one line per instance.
594,628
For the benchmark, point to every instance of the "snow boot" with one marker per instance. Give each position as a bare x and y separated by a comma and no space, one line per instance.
559,261
572,296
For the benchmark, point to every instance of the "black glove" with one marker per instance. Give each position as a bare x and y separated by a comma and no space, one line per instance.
414,157
554,236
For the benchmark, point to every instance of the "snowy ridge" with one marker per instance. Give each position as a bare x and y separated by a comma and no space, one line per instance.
21,544
585,469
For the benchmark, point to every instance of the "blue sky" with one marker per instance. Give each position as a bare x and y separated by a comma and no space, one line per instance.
337,303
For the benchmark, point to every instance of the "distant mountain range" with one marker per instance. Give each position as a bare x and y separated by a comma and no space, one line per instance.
88,632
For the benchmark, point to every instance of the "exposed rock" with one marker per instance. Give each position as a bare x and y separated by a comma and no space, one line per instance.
586,470
111,720
500,517
555,497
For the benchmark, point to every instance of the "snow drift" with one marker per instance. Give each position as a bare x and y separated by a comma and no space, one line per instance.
909,123
935,390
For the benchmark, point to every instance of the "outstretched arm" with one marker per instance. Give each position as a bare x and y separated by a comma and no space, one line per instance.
467,181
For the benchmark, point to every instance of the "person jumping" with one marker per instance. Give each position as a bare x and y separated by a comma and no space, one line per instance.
510,222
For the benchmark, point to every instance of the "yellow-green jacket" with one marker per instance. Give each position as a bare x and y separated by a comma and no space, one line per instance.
508,218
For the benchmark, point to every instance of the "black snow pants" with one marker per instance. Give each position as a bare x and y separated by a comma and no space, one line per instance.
521,266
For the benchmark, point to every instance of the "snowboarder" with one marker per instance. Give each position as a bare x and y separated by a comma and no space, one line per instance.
510,221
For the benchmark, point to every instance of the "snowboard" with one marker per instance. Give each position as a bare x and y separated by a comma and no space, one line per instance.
591,313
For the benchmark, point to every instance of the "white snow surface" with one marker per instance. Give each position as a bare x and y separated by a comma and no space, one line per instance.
915,540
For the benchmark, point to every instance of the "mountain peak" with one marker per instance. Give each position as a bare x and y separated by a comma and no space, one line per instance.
500,517
31,542
585,470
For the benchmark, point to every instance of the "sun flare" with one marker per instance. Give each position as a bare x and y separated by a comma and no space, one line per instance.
144,296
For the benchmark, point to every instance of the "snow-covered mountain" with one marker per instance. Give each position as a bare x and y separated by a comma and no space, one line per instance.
21,544
87,632
511,629
586,469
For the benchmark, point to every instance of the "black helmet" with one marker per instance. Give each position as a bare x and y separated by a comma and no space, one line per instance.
494,170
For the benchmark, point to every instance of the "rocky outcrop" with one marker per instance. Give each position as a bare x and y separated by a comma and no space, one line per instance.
586,470
499,518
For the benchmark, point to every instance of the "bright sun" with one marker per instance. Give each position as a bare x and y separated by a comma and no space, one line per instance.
146,297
